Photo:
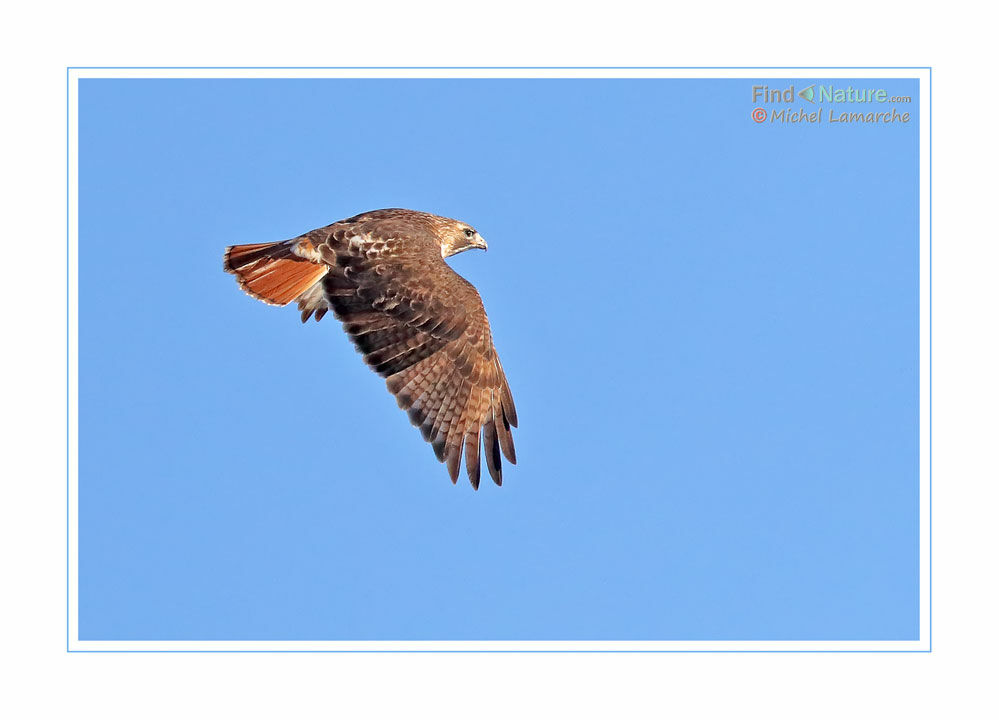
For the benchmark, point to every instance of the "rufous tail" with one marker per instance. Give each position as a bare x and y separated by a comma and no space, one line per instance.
274,273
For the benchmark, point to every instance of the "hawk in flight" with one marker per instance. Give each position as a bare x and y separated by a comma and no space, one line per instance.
418,323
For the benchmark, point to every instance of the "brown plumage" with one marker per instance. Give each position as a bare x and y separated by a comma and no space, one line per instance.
417,322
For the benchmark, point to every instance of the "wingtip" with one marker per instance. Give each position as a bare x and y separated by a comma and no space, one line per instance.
454,462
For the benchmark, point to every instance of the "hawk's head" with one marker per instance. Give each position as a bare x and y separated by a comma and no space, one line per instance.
456,236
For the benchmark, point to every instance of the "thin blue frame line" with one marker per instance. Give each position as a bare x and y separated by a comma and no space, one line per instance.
498,67
67,358
929,500
508,652
930,369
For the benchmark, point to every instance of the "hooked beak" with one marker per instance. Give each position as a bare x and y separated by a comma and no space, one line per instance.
478,242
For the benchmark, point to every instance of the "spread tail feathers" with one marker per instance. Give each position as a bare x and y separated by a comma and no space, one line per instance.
277,274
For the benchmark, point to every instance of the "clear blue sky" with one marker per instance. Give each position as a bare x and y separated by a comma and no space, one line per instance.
710,327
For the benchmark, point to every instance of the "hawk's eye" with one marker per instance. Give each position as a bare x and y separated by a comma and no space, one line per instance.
469,233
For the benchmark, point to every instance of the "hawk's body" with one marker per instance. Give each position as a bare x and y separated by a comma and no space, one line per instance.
417,322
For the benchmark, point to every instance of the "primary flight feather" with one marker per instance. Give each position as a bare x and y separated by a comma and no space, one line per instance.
418,323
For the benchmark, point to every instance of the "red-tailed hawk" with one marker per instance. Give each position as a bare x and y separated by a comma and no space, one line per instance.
418,323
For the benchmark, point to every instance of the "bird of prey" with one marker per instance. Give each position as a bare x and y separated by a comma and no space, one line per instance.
418,323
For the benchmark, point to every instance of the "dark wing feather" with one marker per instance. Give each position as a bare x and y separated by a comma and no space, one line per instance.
423,328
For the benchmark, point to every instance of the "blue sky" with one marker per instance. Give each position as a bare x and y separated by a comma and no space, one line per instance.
710,327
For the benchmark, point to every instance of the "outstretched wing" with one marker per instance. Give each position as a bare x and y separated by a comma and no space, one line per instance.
423,328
